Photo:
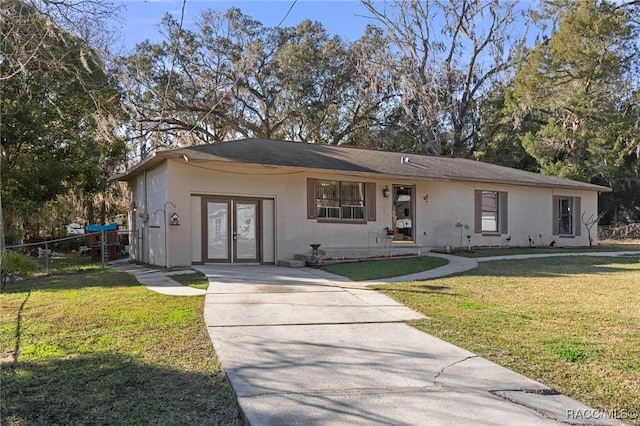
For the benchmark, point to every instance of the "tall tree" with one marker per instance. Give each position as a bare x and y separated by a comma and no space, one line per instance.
233,77
58,125
444,57
25,39
499,141
577,91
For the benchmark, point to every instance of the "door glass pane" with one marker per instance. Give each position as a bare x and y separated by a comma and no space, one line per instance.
403,213
246,242
218,232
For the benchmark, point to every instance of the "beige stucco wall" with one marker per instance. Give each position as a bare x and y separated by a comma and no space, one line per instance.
530,210
149,193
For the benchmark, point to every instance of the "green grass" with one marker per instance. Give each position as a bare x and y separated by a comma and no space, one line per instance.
70,265
570,323
95,347
195,280
64,264
376,269
506,251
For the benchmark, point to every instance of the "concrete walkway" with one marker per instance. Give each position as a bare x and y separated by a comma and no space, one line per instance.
303,346
300,346
158,280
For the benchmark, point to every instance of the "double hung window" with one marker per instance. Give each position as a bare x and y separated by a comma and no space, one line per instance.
340,200
566,216
491,212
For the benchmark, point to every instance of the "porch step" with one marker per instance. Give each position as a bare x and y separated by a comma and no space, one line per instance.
309,257
294,263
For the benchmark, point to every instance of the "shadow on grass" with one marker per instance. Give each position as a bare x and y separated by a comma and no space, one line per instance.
73,281
109,389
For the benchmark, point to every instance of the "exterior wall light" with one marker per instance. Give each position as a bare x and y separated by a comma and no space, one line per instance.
385,192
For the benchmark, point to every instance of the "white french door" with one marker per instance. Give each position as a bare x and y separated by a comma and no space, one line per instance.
231,229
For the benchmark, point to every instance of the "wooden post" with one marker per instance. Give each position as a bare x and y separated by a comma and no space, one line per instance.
46,256
103,241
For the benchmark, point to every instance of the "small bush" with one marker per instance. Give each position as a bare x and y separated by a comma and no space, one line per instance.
14,263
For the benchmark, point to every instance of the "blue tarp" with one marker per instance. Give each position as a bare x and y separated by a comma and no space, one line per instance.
97,228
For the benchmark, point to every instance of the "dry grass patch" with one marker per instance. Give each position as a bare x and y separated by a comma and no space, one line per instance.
571,323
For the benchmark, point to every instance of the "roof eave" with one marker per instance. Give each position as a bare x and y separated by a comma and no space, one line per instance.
152,160
376,174
585,187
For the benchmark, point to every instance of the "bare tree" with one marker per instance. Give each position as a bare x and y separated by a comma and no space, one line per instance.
233,77
444,57
589,222
24,37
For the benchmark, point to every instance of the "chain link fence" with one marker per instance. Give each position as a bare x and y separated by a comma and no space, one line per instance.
102,246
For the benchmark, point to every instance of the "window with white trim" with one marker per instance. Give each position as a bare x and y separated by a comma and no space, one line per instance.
565,216
489,211
340,200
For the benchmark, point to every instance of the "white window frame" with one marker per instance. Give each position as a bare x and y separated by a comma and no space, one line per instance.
342,205
569,213
494,211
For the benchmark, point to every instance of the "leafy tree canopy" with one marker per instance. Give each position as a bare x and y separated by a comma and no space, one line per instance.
574,97
58,121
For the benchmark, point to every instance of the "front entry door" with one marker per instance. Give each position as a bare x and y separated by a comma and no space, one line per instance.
231,228
403,208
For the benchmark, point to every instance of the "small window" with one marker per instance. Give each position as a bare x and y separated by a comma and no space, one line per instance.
565,216
340,200
352,200
489,211
328,199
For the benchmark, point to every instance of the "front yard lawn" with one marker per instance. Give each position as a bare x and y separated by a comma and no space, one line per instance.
96,347
571,323
376,269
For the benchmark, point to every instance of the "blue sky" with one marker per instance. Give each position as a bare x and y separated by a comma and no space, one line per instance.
140,18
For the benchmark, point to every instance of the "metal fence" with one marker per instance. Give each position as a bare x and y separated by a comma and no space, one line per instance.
102,246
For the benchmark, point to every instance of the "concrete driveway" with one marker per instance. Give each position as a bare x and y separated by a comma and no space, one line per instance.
300,346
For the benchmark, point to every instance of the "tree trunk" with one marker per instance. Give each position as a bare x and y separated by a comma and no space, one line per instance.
103,212
1,236
89,205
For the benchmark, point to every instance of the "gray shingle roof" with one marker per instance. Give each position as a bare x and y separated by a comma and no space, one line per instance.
326,157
